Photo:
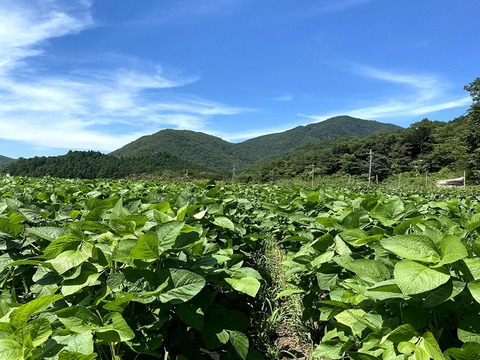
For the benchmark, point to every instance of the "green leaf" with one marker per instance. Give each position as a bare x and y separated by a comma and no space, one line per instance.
39,331
78,319
70,355
414,278
246,285
10,350
451,249
224,222
364,267
412,247
146,247
186,285
79,343
68,260
63,243
20,316
240,343
474,288
123,227
473,266
168,232
430,345
49,233
87,277
405,332
388,214
119,304
114,329
468,351
469,329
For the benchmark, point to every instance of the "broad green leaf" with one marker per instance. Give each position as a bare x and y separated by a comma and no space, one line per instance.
468,351
49,233
168,232
20,316
87,277
405,332
474,288
78,319
469,329
412,247
68,260
80,343
185,285
62,243
246,285
473,266
123,227
70,355
430,345
451,250
364,267
414,278
10,350
119,304
39,330
240,343
146,247
388,214
114,329
224,222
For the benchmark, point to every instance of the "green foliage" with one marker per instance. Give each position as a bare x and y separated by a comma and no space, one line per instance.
124,269
385,276
92,165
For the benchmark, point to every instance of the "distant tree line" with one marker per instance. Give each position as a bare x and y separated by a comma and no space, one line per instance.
425,146
92,164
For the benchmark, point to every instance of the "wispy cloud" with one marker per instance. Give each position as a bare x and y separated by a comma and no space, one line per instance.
416,95
284,98
85,109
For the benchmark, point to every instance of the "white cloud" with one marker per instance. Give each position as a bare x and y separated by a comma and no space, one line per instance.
285,98
423,94
87,109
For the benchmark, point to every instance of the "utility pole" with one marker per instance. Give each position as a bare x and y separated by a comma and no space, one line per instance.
313,173
233,172
370,167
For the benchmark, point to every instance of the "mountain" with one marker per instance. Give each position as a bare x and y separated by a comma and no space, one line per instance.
340,126
214,153
196,147
424,147
5,160
91,165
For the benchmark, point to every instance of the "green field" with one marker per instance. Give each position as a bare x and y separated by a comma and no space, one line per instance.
116,269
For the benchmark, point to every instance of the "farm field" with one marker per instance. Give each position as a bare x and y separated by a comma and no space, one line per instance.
117,269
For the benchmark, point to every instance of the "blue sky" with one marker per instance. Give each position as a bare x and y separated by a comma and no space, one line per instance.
97,74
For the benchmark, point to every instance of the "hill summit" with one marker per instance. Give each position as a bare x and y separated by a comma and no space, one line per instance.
215,153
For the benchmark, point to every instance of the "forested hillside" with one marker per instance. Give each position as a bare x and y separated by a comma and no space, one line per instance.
339,126
91,165
196,147
215,153
5,160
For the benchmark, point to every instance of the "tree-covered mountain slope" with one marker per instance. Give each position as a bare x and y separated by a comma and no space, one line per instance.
425,146
214,153
340,126
92,164
5,160
196,147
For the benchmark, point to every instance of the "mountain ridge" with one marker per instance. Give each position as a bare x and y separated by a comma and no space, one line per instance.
215,153
4,160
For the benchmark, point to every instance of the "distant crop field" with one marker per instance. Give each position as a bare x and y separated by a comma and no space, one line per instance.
116,269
